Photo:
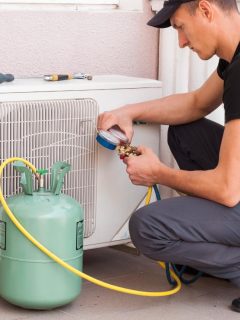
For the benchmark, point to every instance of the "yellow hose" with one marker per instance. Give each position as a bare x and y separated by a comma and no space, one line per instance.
148,196
66,265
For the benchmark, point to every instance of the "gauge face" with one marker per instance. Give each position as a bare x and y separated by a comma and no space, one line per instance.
118,134
109,137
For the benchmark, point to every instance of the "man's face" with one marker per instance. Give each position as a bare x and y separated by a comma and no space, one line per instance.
194,31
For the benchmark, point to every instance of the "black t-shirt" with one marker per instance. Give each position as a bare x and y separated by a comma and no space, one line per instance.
230,73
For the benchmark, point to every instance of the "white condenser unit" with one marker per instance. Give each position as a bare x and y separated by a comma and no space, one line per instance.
45,122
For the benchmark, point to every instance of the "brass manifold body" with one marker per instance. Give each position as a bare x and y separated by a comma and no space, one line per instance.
126,150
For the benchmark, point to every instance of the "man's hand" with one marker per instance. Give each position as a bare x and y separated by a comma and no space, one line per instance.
144,169
108,119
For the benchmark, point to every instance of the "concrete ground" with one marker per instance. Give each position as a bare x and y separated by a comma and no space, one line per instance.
207,299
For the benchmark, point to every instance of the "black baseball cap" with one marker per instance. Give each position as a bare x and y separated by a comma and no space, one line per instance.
162,18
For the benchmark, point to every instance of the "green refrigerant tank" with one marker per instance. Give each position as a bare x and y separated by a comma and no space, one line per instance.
28,277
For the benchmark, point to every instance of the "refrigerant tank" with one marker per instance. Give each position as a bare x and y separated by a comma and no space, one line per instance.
29,278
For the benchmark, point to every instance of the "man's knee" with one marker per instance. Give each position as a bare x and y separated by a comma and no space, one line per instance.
176,139
134,230
171,136
188,146
190,133
181,133
146,235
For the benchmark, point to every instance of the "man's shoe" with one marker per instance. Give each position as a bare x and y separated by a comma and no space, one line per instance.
236,305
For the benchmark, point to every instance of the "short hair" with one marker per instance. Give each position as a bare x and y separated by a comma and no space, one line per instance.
226,5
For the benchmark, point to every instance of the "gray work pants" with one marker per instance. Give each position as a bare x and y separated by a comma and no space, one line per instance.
188,230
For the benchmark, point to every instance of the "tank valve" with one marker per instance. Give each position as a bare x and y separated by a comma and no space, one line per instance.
39,175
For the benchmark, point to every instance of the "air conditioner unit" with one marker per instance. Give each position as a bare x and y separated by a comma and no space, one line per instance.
46,122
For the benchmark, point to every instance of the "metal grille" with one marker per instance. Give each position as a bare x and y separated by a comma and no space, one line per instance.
44,132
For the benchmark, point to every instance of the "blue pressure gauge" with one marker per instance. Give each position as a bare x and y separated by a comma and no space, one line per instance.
112,138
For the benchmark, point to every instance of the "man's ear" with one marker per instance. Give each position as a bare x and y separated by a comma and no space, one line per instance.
206,9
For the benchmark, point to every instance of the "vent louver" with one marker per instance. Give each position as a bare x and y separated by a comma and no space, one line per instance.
47,131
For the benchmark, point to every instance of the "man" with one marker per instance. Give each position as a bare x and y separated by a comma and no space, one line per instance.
202,229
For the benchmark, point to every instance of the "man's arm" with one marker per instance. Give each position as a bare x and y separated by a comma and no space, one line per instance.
221,184
174,109
181,108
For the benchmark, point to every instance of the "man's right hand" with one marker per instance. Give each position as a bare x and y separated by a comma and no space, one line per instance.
108,119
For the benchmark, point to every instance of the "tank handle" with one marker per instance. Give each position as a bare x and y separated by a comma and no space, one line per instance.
58,171
26,177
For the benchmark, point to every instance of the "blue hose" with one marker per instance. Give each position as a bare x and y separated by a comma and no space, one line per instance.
168,265
181,272
157,193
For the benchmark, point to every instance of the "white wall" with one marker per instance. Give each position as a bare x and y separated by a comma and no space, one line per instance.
34,43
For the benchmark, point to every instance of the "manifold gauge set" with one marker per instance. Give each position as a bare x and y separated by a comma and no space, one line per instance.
113,139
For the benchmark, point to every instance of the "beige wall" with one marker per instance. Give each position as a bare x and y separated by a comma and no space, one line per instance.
114,42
